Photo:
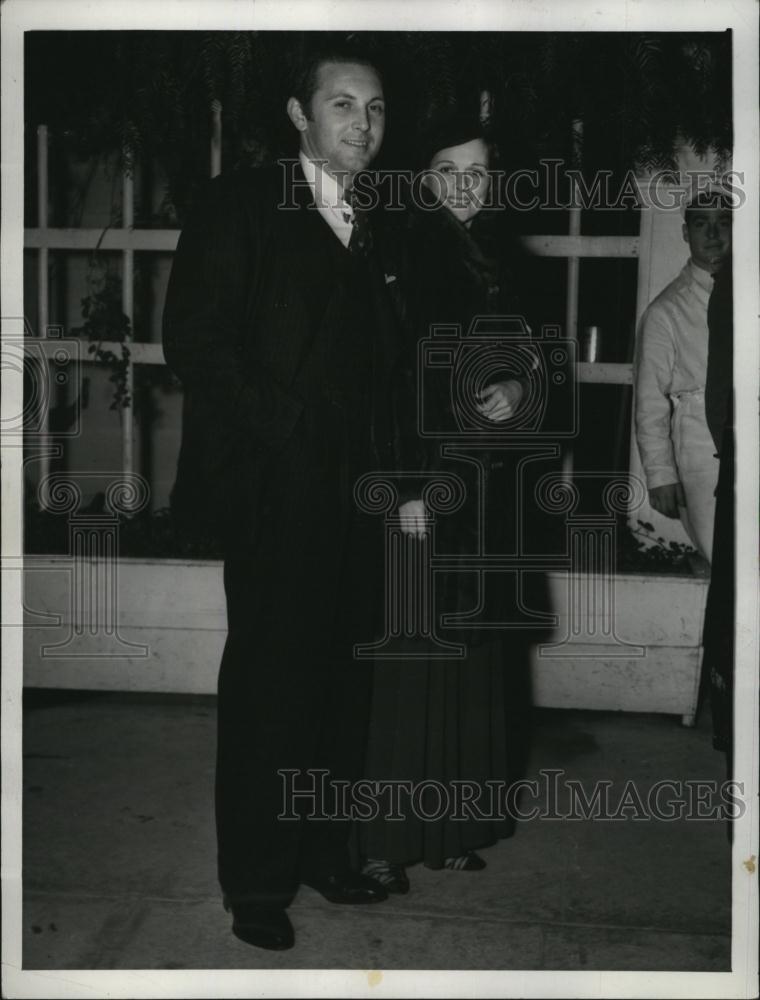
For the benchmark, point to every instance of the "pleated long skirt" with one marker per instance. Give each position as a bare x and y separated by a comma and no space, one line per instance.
434,722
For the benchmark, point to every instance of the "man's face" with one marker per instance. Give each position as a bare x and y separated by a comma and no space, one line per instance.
346,121
708,233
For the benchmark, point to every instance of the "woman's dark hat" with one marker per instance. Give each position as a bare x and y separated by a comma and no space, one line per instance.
451,126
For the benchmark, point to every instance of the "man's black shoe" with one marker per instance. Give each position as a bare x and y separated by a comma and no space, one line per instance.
262,926
347,887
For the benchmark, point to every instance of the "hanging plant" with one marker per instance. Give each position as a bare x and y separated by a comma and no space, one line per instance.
104,320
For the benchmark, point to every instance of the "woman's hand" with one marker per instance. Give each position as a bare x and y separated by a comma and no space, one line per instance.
500,400
413,518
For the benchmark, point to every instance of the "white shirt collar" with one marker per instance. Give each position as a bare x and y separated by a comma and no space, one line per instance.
701,276
331,205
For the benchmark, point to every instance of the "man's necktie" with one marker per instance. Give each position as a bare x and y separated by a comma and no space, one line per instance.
360,242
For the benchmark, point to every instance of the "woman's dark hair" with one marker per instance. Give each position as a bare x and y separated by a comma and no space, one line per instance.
303,83
453,126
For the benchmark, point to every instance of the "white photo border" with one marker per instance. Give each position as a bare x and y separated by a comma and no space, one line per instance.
18,16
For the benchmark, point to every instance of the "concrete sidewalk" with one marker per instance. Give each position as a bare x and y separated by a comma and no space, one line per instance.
119,858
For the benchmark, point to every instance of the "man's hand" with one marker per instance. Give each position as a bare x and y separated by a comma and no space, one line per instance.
500,400
413,518
667,499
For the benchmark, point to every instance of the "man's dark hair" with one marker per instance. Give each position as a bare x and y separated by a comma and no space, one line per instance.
304,81
710,198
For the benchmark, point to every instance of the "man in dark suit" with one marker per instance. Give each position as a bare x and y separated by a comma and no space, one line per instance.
277,323
720,610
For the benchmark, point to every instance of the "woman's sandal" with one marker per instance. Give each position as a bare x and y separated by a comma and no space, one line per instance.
391,877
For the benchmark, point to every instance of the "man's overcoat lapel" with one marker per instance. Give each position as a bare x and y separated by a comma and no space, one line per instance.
295,277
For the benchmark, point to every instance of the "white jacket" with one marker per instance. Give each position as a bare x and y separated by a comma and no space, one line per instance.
671,358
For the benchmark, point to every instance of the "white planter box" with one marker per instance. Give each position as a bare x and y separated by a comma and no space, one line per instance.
173,610
658,621
172,613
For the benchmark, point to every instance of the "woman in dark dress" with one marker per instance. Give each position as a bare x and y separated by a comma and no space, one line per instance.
435,719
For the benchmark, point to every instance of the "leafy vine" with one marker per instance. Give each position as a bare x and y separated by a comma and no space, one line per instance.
105,320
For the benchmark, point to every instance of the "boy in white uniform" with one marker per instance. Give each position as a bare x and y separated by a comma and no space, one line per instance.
670,368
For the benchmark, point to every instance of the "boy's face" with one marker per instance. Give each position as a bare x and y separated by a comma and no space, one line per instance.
708,233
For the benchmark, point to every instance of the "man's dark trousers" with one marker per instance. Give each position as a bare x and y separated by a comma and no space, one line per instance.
300,594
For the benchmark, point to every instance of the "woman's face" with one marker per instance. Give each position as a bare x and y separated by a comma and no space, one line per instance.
460,178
